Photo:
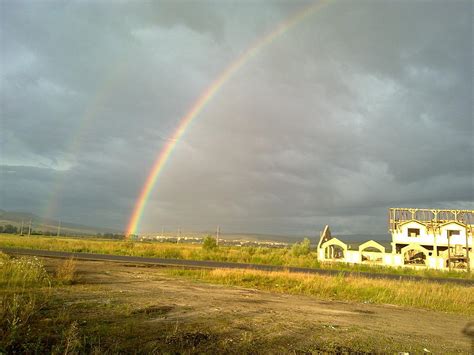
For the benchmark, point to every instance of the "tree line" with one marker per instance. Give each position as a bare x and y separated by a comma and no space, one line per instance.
11,229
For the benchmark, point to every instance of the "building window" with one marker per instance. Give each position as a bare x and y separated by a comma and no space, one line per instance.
452,232
413,232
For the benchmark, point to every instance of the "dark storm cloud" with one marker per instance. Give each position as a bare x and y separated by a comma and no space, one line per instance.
358,108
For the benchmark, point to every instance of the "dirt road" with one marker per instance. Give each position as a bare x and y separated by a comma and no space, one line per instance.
147,310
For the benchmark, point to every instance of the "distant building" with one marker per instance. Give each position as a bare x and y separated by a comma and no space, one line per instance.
421,238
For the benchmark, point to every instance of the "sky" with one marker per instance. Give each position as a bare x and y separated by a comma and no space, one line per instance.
361,106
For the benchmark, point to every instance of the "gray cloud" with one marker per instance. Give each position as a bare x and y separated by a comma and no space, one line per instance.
358,108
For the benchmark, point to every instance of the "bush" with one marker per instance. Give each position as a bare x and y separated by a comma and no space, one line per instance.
303,248
9,229
66,271
209,243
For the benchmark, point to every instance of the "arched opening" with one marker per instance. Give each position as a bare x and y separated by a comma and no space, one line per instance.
414,257
334,252
371,252
371,255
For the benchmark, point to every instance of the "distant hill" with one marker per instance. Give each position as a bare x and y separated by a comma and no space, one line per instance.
42,224
263,237
226,236
354,239
16,218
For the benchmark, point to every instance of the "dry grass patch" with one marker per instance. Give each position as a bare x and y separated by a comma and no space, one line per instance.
22,272
300,255
26,290
66,271
419,294
24,287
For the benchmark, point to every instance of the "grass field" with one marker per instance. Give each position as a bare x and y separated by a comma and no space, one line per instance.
68,306
253,255
424,295
26,289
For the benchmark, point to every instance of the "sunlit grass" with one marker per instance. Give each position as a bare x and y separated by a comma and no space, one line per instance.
25,290
22,272
423,294
35,316
254,255
24,287
66,271
245,254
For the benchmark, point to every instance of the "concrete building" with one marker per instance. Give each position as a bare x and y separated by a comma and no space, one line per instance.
421,238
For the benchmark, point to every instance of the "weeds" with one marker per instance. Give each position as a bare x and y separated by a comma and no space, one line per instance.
71,339
17,311
25,286
65,272
25,290
22,272
300,255
425,294
37,317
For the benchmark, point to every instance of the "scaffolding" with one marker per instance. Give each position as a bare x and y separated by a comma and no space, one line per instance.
433,219
431,216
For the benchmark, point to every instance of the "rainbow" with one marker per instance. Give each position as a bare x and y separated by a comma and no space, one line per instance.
200,103
103,93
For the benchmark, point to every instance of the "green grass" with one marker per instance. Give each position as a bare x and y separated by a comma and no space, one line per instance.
52,312
252,255
26,289
423,294
22,273
24,286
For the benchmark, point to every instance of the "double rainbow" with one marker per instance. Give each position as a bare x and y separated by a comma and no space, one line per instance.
208,94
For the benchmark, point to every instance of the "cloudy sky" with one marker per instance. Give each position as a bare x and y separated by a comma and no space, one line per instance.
361,106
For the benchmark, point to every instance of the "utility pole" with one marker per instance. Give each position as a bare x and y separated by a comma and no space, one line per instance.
468,260
59,228
449,252
29,229
217,235
179,234
21,230
162,231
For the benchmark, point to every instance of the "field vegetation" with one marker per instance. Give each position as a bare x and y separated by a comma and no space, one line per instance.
424,294
26,291
299,255
55,309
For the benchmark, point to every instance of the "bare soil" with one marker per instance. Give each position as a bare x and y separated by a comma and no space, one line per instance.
139,309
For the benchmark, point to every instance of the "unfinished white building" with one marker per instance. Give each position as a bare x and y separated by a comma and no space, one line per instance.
421,238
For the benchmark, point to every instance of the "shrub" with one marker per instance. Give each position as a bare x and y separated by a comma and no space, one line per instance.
209,243
303,248
66,271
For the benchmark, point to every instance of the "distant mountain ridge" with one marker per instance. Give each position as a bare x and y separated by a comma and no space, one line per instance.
46,224
353,239
51,225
